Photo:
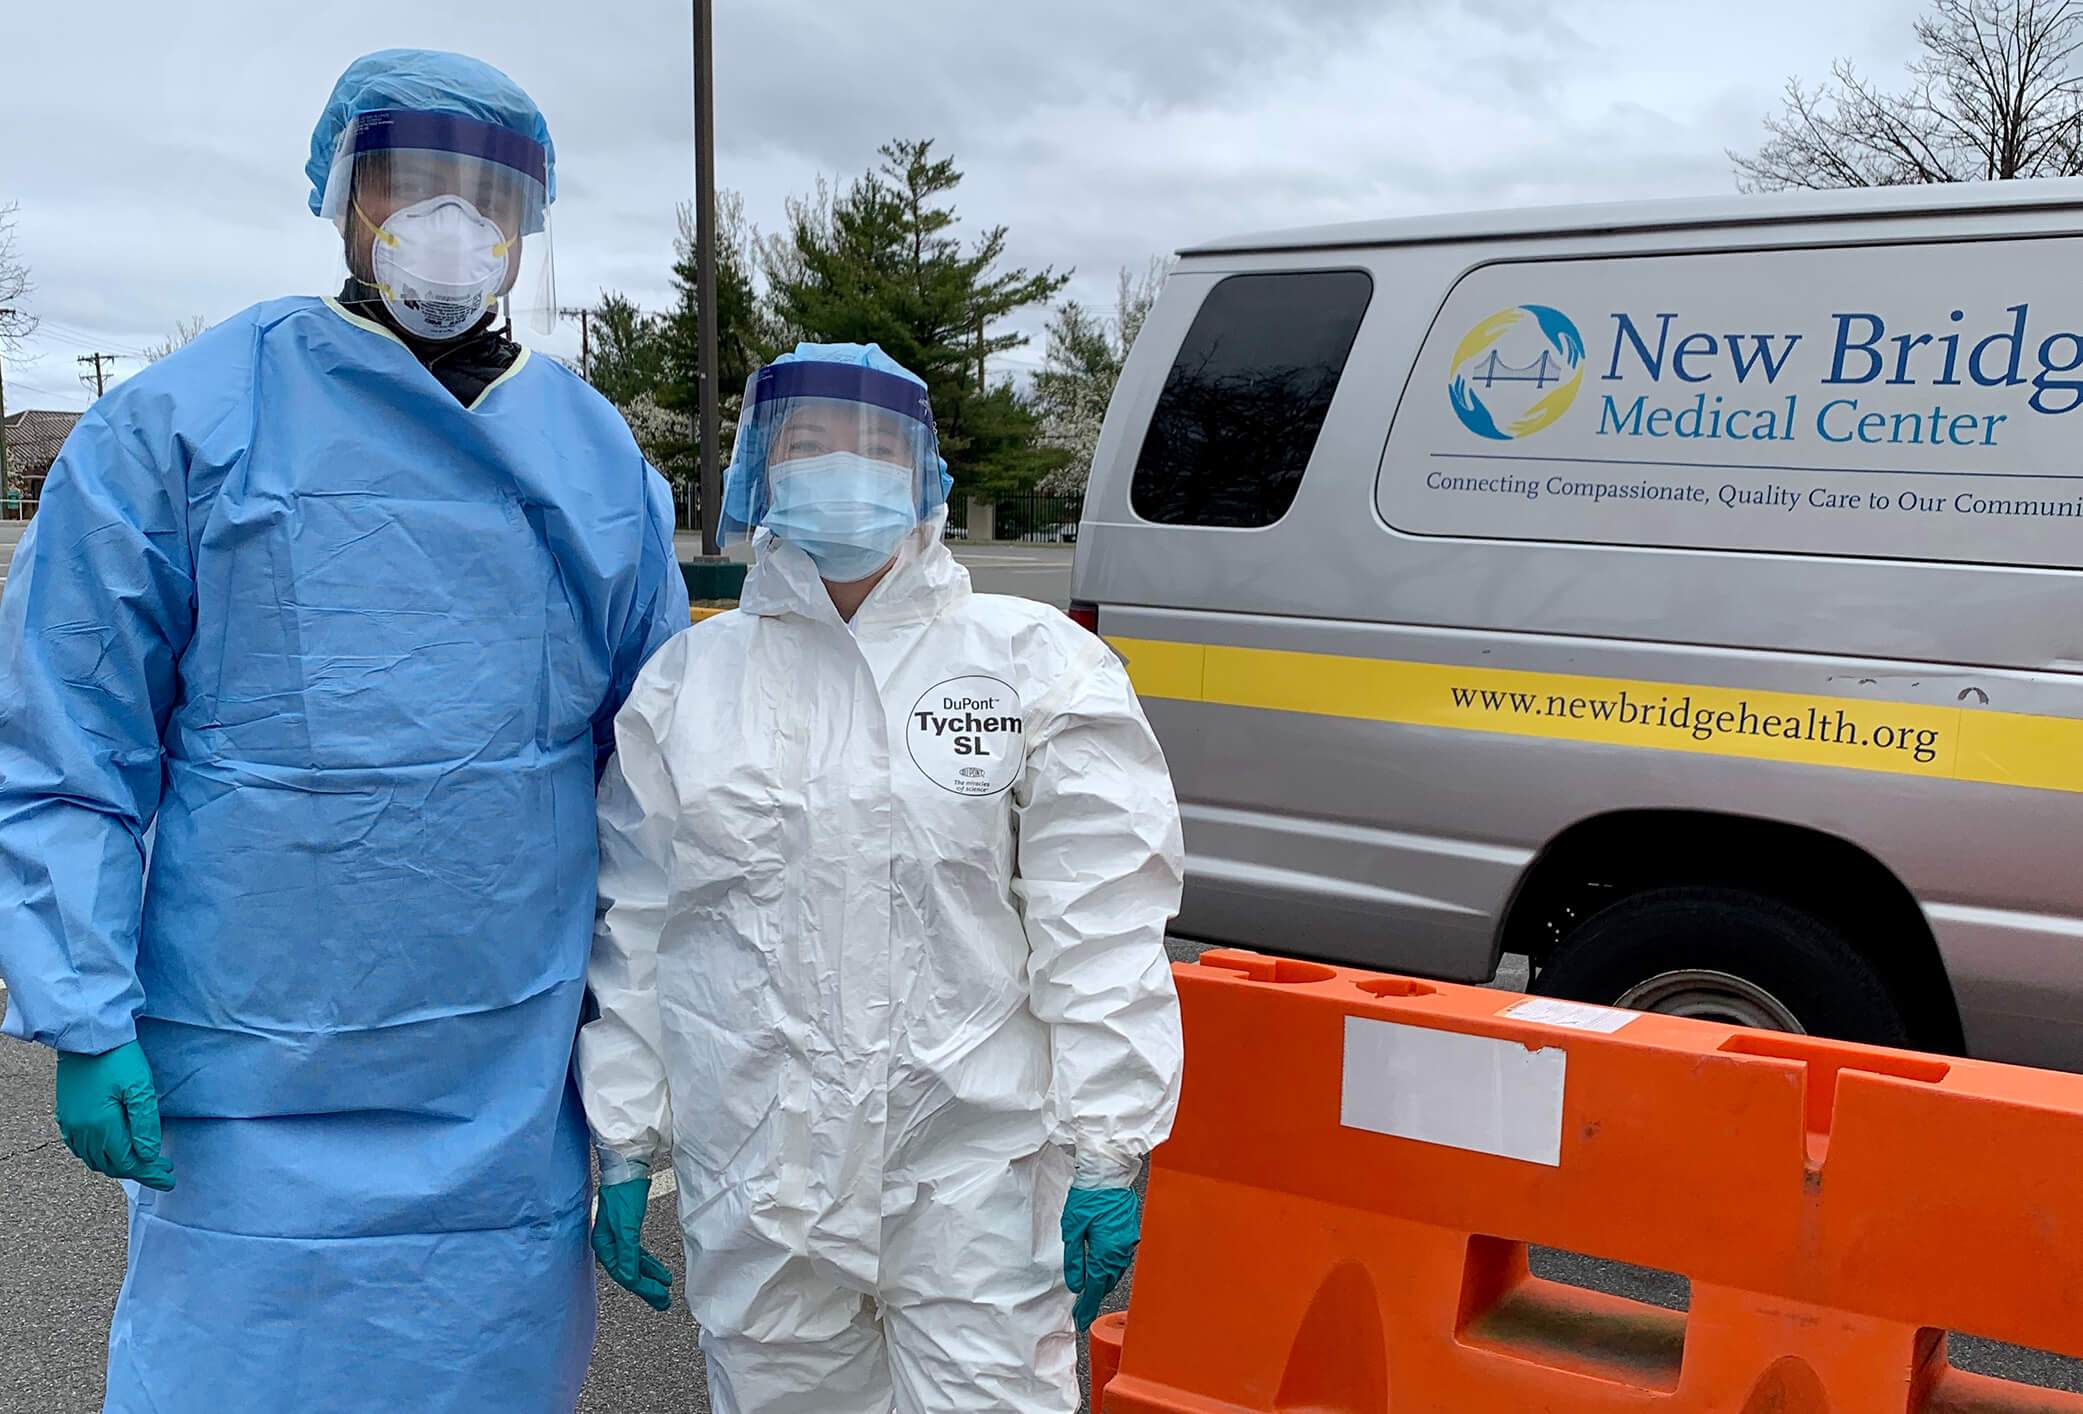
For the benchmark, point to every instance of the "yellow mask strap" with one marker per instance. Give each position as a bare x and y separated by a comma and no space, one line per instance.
375,230
500,250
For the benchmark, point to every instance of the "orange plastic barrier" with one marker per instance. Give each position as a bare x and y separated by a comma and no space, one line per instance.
1340,1221
1107,1333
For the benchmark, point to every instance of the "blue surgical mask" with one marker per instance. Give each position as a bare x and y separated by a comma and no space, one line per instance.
846,511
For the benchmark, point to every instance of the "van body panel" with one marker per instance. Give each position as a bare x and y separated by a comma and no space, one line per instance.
2016,976
1928,204
1389,826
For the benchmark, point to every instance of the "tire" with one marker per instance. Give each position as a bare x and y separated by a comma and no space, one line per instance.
1726,955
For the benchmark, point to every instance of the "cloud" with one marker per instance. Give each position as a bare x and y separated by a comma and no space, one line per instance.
157,151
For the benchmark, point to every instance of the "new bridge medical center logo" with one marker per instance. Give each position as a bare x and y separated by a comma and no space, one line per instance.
1517,372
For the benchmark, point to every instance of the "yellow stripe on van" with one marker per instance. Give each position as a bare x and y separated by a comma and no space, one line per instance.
1160,669
1899,738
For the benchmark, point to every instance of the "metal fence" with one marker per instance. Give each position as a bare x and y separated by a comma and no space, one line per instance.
1038,518
1030,516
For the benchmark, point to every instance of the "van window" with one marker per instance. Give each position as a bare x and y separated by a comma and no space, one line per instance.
1246,398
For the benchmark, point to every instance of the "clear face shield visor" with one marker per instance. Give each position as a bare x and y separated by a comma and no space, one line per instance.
447,218
831,454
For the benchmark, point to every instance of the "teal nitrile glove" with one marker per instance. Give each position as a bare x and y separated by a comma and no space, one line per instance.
617,1226
1100,1229
108,1115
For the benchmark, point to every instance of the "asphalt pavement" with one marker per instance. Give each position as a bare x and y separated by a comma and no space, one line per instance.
10,536
1027,571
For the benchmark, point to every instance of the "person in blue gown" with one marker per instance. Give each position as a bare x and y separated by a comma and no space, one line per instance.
309,664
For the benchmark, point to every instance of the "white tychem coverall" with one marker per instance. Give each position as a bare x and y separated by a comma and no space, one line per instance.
883,911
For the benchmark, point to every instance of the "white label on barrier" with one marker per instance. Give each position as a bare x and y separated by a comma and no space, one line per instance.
1479,1093
1577,1016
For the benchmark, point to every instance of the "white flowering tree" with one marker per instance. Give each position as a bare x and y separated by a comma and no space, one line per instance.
666,439
1080,365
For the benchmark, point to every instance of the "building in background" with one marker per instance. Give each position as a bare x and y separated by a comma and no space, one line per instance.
33,440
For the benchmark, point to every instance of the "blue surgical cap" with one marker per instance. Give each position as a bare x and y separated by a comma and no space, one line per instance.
820,371
424,81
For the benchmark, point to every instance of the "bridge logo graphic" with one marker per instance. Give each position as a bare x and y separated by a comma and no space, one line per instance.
1517,372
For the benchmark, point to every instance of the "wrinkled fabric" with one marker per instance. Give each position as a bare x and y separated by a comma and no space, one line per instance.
351,652
880,960
969,1313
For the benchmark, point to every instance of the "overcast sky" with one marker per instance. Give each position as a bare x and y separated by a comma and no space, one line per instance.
157,150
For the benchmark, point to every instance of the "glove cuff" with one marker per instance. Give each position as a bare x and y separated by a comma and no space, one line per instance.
620,1168
1100,1166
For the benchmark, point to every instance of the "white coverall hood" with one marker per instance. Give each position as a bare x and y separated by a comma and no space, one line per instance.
883,911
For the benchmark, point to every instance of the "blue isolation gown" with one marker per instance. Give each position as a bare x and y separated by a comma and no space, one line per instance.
356,649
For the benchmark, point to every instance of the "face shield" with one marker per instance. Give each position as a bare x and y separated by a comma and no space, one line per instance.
839,459
447,218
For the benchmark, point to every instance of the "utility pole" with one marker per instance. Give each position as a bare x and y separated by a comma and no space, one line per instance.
705,258
4,314
100,373
585,346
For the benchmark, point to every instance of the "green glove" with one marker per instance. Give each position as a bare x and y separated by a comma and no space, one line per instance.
108,1114
1100,1229
617,1226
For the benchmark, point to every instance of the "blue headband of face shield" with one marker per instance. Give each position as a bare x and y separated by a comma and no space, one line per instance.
780,390
414,155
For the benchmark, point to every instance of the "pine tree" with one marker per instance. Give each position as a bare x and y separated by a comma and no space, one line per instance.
882,264
627,358
740,324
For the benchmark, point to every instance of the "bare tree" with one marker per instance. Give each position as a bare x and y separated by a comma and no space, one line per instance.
185,332
780,258
16,323
1995,95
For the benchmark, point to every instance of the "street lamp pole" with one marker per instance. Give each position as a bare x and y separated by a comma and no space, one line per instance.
705,261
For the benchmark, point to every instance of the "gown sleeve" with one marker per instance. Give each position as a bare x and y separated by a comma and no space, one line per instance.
659,611
1100,870
97,611
621,1056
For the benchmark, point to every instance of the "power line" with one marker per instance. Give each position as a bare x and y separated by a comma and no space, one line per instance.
73,334
16,380
100,374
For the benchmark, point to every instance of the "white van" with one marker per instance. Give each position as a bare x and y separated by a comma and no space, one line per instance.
1687,595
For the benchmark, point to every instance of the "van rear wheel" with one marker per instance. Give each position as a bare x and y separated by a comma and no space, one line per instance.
1726,955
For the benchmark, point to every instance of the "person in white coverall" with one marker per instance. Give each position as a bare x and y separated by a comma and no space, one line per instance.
885,871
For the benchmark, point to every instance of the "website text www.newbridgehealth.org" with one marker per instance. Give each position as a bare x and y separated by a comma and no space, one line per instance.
1824,724
1771,495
